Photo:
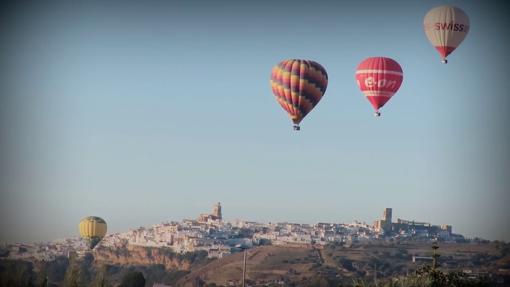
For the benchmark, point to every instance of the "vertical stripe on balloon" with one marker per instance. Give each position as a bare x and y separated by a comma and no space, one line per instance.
298,86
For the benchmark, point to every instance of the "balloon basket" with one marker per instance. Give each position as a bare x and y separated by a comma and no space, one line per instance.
297,127
444,61
377,114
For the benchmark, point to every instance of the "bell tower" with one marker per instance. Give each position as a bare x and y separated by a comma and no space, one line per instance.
217,211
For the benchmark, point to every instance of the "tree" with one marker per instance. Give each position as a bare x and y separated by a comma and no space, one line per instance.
72,276
16,273
100,278
42,277
56,269
318,282
133,279
77,272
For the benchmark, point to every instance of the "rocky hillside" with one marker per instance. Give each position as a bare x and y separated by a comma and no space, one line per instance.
138,255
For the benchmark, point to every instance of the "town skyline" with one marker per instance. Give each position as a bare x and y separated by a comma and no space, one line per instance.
218,237
196,247
142,112
382,224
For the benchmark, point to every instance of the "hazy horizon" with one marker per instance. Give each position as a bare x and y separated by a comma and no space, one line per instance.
145,112
233,219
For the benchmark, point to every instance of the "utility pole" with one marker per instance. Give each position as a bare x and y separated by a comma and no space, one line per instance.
375,274
198,282
244,268
435,256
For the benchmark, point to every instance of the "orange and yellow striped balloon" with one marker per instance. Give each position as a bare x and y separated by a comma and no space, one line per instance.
92,229
298,86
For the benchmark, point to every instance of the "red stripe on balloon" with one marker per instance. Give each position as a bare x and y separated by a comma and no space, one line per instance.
378,101
379,78
444,51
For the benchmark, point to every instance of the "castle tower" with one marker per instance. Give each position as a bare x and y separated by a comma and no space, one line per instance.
387,220
217,211
387,215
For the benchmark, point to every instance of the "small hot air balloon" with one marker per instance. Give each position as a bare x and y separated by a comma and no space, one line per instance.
92,229
446,27
379,78
298,86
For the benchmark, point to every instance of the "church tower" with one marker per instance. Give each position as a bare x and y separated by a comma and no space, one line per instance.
217,211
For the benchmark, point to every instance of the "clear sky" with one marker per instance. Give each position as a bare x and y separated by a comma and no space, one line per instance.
142,113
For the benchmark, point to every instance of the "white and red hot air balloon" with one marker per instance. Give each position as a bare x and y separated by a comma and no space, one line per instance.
379,78
446,27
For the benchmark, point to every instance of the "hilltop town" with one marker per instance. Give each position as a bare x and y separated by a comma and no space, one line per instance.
210,233
209,250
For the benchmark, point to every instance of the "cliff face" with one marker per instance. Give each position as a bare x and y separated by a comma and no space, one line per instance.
139,255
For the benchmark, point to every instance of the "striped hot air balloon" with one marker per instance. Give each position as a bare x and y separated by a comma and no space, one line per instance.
446,27
92,229
298,86
379,78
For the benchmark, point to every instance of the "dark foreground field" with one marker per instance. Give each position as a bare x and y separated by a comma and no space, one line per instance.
478,264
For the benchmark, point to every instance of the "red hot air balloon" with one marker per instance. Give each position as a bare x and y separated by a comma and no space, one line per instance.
298,86
379,78
446,27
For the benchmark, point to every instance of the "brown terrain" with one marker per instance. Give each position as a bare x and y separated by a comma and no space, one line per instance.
299,265
268,264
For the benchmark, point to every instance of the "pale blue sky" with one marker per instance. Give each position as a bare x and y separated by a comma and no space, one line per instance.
141,113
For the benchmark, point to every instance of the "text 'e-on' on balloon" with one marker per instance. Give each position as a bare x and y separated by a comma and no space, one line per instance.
379,78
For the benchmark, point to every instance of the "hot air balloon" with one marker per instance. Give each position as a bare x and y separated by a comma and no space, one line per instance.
298,86
446,27
379,78
92,229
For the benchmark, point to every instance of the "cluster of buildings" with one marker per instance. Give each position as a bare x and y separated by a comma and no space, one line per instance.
210,233
409,228
42,251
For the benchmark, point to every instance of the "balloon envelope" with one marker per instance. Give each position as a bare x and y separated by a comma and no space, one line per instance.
379,78
92,229
298,86
446,27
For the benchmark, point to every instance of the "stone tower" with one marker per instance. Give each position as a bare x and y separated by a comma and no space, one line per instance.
217,211
387,215
387,220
